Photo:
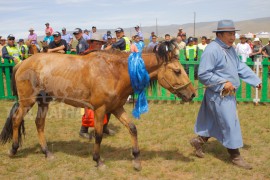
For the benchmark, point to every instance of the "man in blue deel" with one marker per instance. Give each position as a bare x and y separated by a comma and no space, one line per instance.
220,70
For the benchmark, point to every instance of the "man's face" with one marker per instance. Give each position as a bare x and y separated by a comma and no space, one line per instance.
64,31
94,30
203,40
243,40
11,41
57,39
154,39
137,29
227,37
167,38
119,34
78,35
183,37
178,39
3,42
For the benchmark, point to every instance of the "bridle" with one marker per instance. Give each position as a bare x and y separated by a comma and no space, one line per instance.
176,89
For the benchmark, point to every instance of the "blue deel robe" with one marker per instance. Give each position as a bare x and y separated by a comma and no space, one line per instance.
217,116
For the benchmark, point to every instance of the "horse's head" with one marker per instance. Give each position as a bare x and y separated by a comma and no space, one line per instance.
171,74
45,46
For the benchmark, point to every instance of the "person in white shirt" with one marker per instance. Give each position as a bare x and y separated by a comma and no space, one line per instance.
243,49
203,43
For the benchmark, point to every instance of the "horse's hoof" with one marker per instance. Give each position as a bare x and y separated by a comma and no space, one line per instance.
137,165
101,166
11,153
49,156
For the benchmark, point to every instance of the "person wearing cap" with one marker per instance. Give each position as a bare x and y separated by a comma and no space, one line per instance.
151,36
23,49
108,43
2,44
107,35
32,37
123,44
191,46
67,37
139,32
184,37
86,34
82,46
220,71
180,31
48,28
257,49
58,45
203,44
48,38
152,44
243,49
11,51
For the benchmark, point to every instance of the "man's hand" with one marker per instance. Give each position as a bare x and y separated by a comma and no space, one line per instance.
229,86
259,86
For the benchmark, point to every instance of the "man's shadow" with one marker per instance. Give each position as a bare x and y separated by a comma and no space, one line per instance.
217,150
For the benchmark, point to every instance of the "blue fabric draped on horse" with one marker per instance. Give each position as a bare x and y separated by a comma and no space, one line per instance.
139,79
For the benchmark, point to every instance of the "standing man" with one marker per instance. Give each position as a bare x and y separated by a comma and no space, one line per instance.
243,49
67,37
95,35
10,51
107,36
48,28
203,44
58,45
123,44
139,32
82,45
32,37
152,44
221,69
23,49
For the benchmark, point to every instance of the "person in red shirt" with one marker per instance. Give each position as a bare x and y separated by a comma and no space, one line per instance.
48,28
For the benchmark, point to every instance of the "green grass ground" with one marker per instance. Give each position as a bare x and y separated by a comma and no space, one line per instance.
163,133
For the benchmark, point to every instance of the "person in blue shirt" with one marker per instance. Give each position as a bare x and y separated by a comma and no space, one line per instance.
67,37
107,35
48,38
221,70
152,44
139,32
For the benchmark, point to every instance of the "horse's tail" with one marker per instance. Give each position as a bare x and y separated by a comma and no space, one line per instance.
13,81
7,131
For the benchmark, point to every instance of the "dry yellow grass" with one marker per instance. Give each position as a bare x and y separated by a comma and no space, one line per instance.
163,133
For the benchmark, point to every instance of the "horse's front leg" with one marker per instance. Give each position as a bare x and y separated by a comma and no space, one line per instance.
98,117
121,114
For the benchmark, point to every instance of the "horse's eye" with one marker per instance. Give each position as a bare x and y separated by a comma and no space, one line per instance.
177,71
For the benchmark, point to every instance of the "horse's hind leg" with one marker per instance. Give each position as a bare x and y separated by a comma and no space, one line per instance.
122,116
17,123
99,116
40,124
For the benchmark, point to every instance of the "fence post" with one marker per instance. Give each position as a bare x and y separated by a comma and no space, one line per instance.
265,64
257,64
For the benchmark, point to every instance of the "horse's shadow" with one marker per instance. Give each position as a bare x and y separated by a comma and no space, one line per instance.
85,149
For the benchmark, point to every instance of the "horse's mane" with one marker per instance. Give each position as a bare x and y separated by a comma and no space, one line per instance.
164,48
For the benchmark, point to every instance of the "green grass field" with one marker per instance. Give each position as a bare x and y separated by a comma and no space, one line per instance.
163,133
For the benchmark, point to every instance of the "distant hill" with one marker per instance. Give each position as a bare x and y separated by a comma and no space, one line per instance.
201,28
206,28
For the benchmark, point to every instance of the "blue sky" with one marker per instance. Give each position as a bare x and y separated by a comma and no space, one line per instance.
17,16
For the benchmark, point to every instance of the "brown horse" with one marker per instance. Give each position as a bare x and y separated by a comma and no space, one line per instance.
99,81
32,47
